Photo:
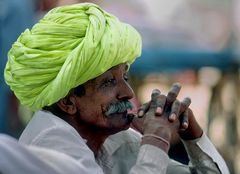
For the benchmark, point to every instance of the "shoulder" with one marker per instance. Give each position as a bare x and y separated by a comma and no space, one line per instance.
44,123
49,131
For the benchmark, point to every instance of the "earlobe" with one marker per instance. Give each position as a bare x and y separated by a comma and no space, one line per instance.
68,105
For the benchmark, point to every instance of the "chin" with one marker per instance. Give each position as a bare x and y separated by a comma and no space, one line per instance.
119,122
115,130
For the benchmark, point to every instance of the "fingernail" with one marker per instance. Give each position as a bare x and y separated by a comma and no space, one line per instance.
173,116
185,125
140,113
159,110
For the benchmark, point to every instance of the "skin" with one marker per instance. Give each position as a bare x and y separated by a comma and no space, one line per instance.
87,113
165,115
162,116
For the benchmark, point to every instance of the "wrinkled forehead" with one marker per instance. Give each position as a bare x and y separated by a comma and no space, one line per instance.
120,68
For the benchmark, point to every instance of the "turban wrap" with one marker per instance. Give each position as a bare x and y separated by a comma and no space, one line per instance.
67,47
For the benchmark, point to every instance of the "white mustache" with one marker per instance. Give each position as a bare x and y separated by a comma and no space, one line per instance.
119,107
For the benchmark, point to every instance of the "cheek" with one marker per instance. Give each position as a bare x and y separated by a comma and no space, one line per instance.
90,111
101,101
92,106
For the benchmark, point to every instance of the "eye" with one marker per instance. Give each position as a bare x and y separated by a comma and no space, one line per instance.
109,82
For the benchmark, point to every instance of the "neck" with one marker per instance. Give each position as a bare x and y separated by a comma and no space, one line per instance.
95,136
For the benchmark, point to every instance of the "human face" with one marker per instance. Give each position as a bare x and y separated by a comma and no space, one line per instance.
109,88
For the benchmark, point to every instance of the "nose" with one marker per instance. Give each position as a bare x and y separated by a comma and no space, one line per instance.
125,91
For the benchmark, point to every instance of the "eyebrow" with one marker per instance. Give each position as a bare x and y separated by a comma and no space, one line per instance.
101,80
126,67
106,76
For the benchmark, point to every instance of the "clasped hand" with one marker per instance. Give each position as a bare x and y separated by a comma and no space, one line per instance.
164,115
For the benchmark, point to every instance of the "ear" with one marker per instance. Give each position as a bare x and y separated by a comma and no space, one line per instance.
68,104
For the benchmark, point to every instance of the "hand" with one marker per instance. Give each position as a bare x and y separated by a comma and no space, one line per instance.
155,125
193,129
168,104
189,128
164,115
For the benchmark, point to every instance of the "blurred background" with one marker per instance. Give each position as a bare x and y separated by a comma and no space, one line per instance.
192,42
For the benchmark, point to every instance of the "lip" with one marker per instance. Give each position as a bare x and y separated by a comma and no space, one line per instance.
123,114
120,113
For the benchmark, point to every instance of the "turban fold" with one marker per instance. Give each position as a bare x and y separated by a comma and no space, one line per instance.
67,47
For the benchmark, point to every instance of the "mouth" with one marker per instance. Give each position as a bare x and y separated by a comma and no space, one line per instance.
124,115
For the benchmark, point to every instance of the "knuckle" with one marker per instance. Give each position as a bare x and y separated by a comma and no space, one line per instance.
142,108
187,100
177,103
172,94
155,93
176,86
185,103
160,100
153,105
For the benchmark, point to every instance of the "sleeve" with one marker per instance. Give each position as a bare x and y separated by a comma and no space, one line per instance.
204,157
32,159
22,159
150,160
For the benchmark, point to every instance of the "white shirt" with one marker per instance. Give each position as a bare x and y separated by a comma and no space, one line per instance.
121,153
20,159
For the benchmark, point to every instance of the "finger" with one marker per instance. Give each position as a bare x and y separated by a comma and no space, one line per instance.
184,120
156,102
143,109
173,93
174,111
161,100
185,104
154,98
155,94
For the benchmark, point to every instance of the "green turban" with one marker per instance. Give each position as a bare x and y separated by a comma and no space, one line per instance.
69,46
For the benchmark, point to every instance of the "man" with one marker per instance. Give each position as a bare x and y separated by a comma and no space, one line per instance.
72,66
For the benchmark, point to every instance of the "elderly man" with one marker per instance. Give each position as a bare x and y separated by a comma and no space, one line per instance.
71,68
